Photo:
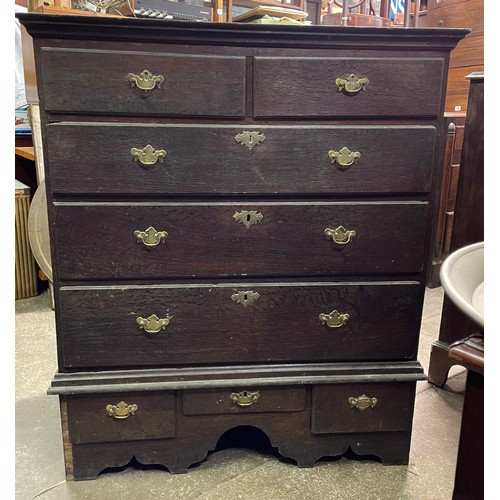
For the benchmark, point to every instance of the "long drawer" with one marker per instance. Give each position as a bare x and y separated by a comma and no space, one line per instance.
157,240
111,158
165,325
141,83
235,400
347,86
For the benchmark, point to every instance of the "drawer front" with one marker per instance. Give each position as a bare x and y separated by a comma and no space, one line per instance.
73,80
237,400
375,407
308,86
209,159
104,241
121,417
246,322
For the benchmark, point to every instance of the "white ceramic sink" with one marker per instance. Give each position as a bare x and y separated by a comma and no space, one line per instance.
462,278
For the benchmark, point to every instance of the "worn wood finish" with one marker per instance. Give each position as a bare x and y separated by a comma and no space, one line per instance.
289,432
219,402
206,159
89,421
205,240
283,324
193,34
280,88
219,78
192,85
392,411
247,375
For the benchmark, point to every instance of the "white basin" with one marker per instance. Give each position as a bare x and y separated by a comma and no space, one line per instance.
462,278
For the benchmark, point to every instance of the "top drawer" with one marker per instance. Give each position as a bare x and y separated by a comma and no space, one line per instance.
323,86
117,82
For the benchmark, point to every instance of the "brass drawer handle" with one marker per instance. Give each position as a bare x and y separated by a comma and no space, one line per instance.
153,324
151,237
245,297
245,398
148,155
363,402
340,235
248,218
250,139
121,410
146,80
351,85
334,319
344,158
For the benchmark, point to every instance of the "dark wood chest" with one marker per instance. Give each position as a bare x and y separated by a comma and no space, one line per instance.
239,219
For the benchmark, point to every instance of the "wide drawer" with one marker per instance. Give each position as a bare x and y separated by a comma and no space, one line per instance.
164,325
371,407
303,86
115,82
157,240
239,159
120,417
232,401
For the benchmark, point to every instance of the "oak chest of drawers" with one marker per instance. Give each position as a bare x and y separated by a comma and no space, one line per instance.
239,220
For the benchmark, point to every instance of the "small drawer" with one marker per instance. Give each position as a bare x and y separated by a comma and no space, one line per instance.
172,325
141,83
374,407
126,416
347,86
121,158
159,240
243,400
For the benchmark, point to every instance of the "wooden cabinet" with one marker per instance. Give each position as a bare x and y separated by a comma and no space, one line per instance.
239,218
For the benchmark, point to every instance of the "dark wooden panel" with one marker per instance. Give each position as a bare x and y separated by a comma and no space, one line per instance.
469,212
206,325
218,376
192,86
204,239
306,86
206,159
89,422
332,412
219,402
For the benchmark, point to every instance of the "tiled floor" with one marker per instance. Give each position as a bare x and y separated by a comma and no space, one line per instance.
230,473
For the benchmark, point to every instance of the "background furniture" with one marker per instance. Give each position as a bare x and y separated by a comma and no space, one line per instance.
462,276
453,127
468,226
250,4
469,474
26,281
468,56
253,259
